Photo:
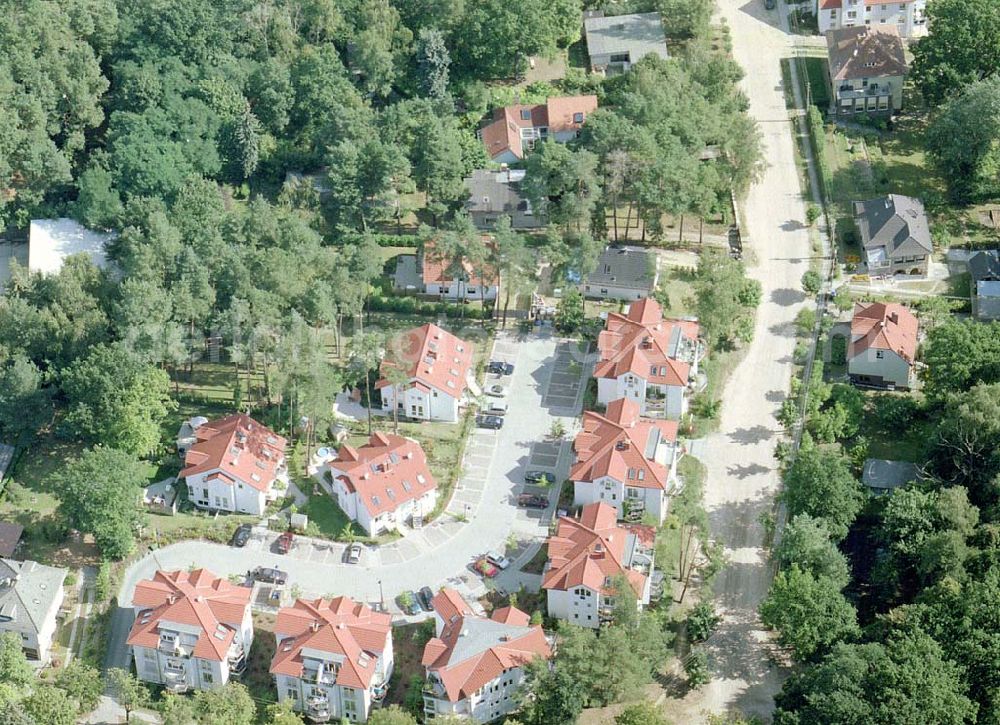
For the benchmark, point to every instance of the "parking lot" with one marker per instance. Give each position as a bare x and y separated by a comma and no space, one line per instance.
566,381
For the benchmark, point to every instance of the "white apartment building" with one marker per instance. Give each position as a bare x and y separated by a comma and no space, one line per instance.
30,597
908,16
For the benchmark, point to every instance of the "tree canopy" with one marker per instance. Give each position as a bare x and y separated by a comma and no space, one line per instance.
820,483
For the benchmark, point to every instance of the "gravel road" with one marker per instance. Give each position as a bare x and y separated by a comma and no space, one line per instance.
742,478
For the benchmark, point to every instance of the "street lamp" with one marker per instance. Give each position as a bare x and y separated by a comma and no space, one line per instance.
381,596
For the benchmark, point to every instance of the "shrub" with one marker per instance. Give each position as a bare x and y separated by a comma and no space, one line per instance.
813,213
102,584
702,621
811,282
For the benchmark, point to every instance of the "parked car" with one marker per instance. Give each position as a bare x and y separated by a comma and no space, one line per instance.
538,477
268,575
424,597
407,601
497,391
498,560
532,501
500,368
284,542
769,4
495,407
483,567
494,422
242,535
354,553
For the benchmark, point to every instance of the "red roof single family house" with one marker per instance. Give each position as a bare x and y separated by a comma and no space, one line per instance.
441,279
333,658
514,130
475,665
192,630
383,484
437,367
883,345
648,359
587,557
233,465
625,461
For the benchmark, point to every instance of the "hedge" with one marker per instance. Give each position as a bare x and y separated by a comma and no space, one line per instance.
817,135
414,306
383,240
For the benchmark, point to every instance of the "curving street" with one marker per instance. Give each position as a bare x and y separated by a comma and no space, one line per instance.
547,385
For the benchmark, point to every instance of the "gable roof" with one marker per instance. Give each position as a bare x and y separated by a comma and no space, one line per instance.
865,51
625,266
198,599
387,471
638,34
557,114
436,270
884,326
433,357
240,448
352,633
892,221
10,537
471,651
641,340
623,446
984,266
496,192
28,591
593,549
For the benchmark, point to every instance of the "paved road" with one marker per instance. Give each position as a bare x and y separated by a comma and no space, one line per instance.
546,386
742,478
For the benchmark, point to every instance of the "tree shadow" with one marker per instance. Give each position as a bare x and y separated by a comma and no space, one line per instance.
751,436
747,470
786,297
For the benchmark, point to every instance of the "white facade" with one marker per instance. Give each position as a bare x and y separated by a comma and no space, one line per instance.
459,290
664,401
37,644
173,664
384,521
422,402
318,695
878,367
587,607
610,292
652,501
908,17
492,701
216,491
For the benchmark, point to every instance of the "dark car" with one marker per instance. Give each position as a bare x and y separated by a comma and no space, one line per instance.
537,477
769,4
284,542
407,601
242,535
500,368
269,575
424,597
493,422
532,501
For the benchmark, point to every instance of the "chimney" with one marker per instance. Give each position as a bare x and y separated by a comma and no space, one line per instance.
894,318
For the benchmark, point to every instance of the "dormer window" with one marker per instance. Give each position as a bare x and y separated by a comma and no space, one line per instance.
578,117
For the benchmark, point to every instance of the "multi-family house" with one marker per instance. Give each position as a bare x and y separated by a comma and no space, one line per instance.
648,359
192,630
615,43
382,484
883,345
493,194
895,235
233,465
907,16
475,665
30,597
333,658
867,70
625,461
437,367
440,277
589,557
622,272
514,130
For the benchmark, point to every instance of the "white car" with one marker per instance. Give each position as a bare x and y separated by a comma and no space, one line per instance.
498,560
497,391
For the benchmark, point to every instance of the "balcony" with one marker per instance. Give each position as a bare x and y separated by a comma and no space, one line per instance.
237,660
379,691
322,676
318,708
872,91
175,679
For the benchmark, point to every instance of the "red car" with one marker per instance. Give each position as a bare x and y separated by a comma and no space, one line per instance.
485,568
285,542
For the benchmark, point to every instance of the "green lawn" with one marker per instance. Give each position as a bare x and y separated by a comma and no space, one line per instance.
324,512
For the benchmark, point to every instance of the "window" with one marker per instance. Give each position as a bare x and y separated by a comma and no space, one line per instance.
620,57
851,14
604,291
525,114
291,693
883,103
577,118
652,370
880,354
206,678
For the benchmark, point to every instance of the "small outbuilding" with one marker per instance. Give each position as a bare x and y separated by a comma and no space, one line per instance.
882,476
616,43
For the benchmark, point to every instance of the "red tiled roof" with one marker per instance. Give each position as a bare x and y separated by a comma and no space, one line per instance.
589,550
435,269
503,133
511,615
385,472
433,357
615,445
339,626
884,326
472,651
240,447
198,598
640,341
830,4
450,605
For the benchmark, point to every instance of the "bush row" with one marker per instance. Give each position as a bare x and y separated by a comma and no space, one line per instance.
415,306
